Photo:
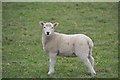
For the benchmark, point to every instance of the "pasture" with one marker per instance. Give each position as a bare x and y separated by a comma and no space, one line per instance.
22,53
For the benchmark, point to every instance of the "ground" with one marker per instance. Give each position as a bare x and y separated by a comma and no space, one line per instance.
22,53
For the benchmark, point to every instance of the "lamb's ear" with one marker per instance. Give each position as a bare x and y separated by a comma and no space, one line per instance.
41,23
55,24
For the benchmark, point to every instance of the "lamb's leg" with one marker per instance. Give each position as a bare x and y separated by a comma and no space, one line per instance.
88,64
90,67
91,59
52,60
82,52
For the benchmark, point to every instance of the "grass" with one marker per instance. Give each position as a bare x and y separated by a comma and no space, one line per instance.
22,53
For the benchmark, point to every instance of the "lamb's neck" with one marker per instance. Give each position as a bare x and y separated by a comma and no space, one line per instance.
48,38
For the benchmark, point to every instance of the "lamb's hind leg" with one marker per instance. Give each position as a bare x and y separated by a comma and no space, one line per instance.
88,64
90,67
90,57
82,53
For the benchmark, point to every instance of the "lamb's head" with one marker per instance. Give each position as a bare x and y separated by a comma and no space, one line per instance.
48,27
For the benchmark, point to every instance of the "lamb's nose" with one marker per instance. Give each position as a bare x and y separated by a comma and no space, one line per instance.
47,33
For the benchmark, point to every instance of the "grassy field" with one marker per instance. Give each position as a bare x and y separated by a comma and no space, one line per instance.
23,56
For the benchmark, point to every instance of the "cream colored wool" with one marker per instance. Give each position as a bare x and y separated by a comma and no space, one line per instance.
66,45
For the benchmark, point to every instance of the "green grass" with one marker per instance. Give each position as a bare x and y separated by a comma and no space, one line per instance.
22,53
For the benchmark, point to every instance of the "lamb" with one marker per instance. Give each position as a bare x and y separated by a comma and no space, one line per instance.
55,44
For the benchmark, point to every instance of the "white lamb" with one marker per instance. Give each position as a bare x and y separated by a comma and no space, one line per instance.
66,45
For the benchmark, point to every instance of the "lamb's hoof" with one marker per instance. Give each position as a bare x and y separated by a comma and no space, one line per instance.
93,74
50,73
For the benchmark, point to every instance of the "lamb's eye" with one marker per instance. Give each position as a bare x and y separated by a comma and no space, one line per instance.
51,27
43,27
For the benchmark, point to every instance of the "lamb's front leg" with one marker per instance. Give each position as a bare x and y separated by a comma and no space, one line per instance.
52,60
